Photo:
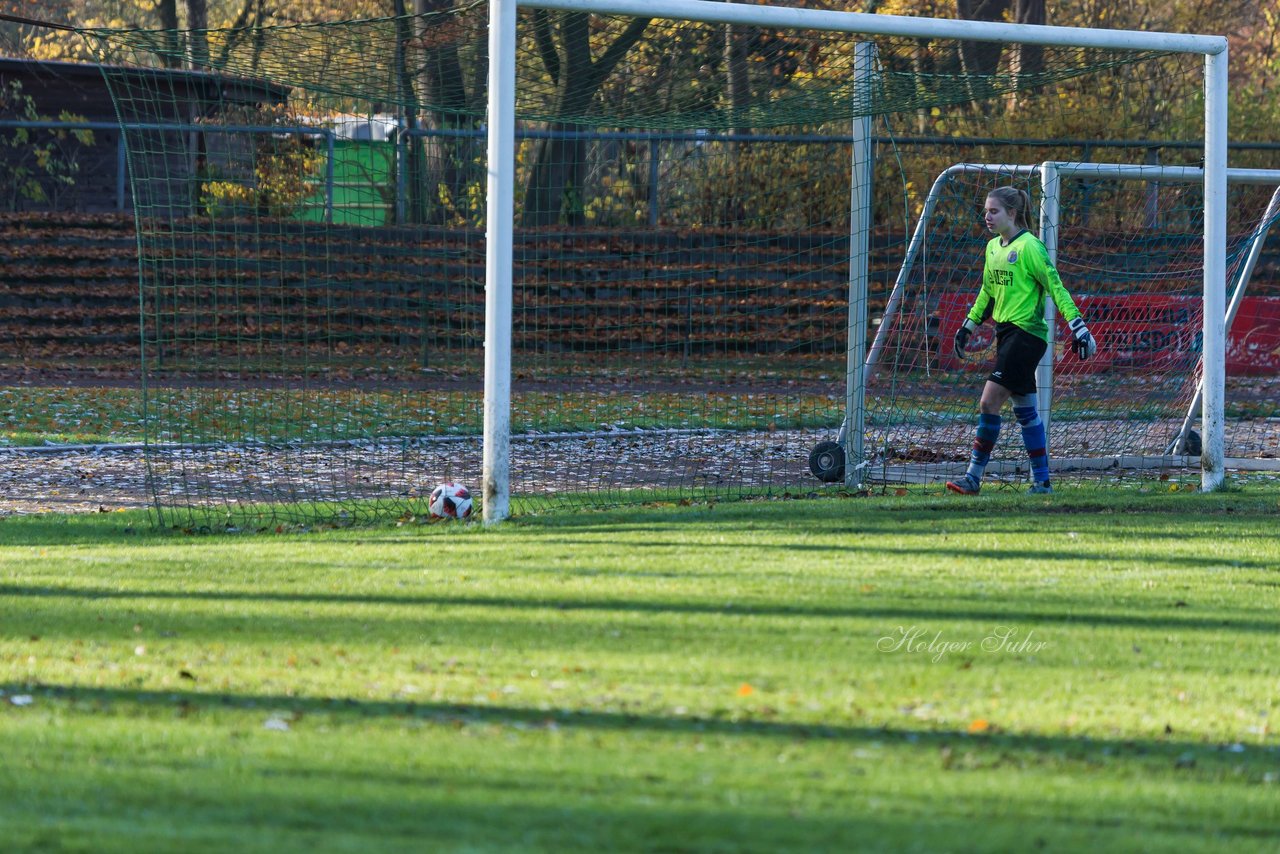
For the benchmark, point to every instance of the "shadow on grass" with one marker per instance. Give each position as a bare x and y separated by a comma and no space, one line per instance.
891,547
316,625
131,527
1198,758
1143,517
842,515
459,813
519,808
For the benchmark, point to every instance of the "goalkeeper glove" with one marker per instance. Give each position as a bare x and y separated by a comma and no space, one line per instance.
1082,342
963,333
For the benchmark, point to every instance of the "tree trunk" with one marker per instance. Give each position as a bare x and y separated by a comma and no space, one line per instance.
167,12
409,113
447,162
1029,59
197,23
555,192
238,30
735,57
981,58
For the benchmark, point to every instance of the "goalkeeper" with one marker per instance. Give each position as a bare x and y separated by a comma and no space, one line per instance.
1016,276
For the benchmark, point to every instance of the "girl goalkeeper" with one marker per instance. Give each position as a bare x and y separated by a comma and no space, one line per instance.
1016,276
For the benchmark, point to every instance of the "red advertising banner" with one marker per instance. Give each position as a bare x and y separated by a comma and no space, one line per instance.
1253,347
1139,332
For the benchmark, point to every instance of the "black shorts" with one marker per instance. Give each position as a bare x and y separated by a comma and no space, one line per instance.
1018,354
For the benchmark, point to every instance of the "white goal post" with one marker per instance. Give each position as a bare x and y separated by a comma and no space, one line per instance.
499,216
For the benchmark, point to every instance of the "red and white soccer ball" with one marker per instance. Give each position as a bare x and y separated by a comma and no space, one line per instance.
450,501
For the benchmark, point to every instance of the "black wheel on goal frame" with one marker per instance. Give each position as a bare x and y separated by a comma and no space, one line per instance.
826,461
1191,444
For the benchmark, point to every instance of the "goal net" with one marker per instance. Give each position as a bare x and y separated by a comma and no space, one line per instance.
699,215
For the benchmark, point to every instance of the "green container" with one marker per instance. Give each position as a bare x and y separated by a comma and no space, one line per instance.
364,184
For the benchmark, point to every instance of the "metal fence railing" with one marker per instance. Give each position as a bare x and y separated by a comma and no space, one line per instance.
121,158
395,186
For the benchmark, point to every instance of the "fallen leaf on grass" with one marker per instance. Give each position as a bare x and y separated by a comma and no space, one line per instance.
745,690
979,725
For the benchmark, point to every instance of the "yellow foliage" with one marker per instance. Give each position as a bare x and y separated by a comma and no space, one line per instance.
283,178
761,186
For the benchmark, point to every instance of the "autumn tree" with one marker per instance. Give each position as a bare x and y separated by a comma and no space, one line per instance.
1255,78
981,57
450,73
198,23
167,19
577,66
1029,59
737,72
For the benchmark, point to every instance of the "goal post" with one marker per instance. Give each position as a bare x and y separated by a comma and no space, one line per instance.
1213,354
1050,194
655,280
861,177
501,107
495,473
1256,241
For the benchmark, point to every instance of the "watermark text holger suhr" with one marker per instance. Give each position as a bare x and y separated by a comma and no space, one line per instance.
1003,640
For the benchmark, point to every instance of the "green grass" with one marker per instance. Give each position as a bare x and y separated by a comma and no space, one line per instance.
87,415
667,679
38,415
807,395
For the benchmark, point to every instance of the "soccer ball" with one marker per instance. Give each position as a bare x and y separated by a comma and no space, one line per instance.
450,501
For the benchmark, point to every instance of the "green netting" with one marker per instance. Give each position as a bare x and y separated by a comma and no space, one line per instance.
310,203
809,74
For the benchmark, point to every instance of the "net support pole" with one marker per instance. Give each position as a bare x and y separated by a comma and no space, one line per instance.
1213,353
499,234
1050,208
859,263
914,248
1257,240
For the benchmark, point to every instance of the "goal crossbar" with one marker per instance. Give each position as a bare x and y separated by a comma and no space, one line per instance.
860,23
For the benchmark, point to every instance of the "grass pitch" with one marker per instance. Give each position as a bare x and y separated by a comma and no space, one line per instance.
1062,673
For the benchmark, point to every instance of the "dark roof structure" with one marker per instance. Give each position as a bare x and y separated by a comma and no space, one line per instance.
81,88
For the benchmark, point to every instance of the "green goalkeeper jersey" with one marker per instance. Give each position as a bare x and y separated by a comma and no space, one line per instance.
1016,277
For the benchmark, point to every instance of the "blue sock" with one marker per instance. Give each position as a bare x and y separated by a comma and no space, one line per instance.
1033,437
984,440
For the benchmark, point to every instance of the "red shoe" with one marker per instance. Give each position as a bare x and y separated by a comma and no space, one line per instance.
965,486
